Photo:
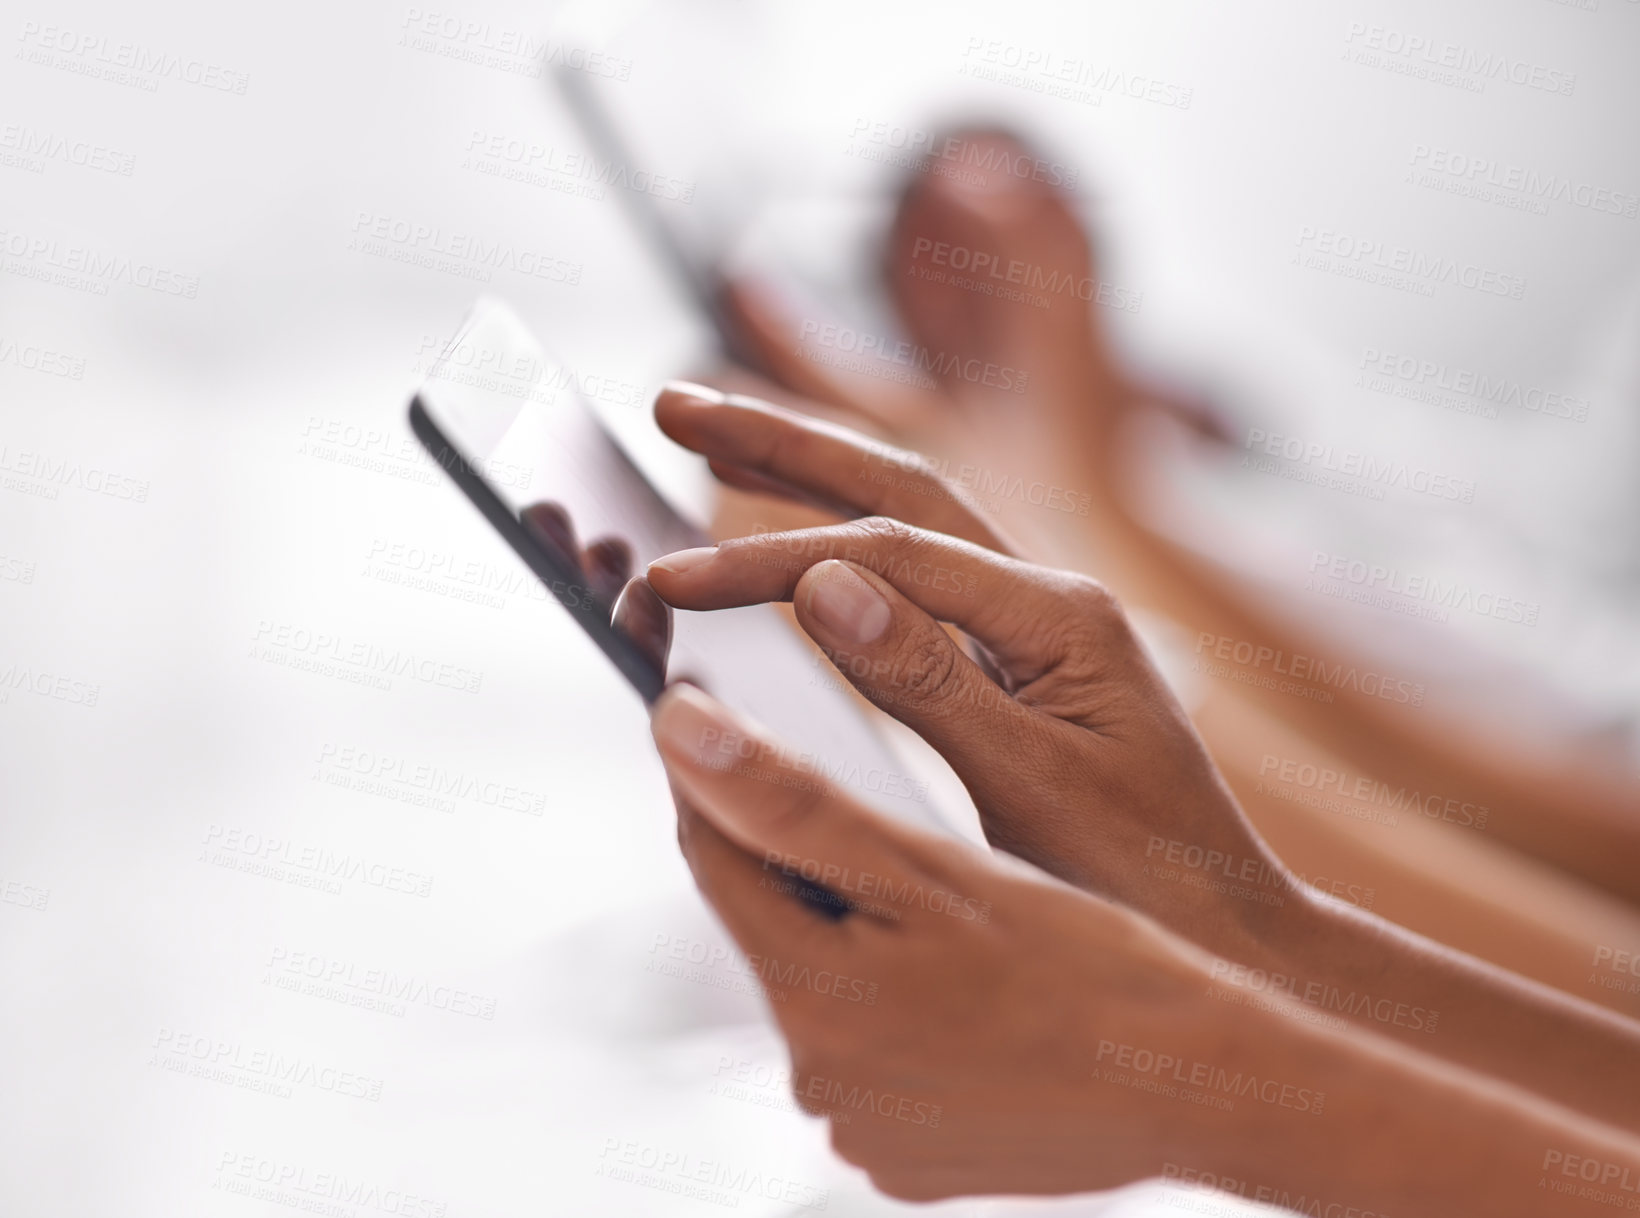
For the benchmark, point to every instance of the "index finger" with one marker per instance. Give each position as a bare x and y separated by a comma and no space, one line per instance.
823,460
1018,611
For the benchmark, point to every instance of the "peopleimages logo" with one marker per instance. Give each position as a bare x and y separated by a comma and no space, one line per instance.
1418,54
1326,996
388,770
873,887
272,853
720,966
1612,1177
1544,187
917,147
771,1086
15,892
498,369
1493,391
436,248
803,769
457,577
27,679
860,351
357,660
1197,1179
1047,71
1617,961
532,156
122,62
86,269
988,272
259,1178
1381,261
1325,780
359,986
1200,1082
684,1174
1338,675
255,1067
1373,579
16,570
32,357
44,475
41,146
1378,471
509,50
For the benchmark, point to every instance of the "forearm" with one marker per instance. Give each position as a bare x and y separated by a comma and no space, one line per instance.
1338,962
1574,810
1217,884
1405,1134
1205,873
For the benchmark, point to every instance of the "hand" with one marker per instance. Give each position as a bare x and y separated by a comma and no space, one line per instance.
974,1028
1055,334
953,1027
606,566
1077,755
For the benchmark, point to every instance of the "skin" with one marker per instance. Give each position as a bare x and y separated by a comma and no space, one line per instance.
1080,761
605,569
1550,794
997,1053
1562,806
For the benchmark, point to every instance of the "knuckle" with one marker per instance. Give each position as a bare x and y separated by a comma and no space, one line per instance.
928,666
887,531
1093,601
1096,617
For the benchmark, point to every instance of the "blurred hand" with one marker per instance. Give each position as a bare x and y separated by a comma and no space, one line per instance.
606,566
965,207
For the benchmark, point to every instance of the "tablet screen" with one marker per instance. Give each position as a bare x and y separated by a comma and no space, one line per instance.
507,421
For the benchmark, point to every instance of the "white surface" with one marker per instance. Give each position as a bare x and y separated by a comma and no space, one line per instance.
240,411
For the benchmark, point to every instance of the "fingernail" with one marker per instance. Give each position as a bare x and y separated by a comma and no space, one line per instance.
686,724
846,604
684,560
689,389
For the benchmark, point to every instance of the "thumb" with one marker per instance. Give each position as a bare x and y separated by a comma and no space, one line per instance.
775,803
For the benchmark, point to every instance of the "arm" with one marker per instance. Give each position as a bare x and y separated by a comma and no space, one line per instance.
1081,762
1060,1043
1571,805
1332,962
1550,797
1404,1133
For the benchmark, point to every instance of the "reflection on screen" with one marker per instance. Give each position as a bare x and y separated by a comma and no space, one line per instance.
513,414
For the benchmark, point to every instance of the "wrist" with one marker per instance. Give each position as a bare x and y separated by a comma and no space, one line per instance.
1233,897
1219,1073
